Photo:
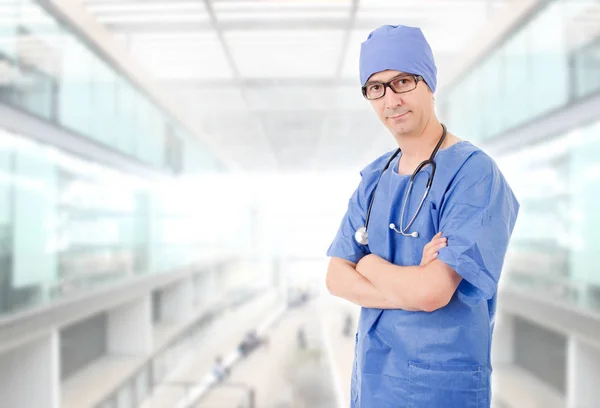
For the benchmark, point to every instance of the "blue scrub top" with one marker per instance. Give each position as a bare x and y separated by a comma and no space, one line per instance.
439,359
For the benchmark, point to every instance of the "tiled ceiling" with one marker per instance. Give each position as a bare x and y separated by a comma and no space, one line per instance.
275,82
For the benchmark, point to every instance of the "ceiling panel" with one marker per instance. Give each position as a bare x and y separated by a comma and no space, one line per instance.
348,140
106,7
269,6
242,16
238,128
241,134
285,54
148,12
293,137
201,100
150,18
290,98
181,55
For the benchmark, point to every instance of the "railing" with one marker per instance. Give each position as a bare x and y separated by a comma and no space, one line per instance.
151,372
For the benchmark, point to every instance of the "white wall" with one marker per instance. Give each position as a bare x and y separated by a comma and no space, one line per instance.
29,375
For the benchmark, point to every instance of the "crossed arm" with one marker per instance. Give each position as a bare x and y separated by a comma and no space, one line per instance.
377,283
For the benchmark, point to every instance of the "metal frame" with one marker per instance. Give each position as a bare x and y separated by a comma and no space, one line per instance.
555,122
22,123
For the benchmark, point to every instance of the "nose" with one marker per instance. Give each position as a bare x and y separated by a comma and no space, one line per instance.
392,99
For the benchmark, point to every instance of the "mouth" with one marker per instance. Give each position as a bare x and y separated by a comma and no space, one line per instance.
399,116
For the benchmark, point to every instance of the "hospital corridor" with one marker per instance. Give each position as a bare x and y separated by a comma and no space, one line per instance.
299,203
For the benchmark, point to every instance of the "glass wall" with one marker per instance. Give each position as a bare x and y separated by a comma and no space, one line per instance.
66,224
549,61
47,70
69,225
553,248
586,66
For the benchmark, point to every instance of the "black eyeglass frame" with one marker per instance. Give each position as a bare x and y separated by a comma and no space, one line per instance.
389,84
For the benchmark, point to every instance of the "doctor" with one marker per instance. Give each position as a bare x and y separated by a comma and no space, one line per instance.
425,329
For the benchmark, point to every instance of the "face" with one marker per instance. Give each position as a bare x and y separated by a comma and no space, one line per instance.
403,113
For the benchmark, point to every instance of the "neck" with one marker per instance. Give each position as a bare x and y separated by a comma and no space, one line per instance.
418,145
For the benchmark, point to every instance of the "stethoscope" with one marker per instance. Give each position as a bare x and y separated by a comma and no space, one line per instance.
362,236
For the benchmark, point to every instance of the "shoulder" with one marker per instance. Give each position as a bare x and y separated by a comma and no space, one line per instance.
470,161
474,173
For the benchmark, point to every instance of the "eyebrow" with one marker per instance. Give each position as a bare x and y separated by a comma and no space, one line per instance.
372,81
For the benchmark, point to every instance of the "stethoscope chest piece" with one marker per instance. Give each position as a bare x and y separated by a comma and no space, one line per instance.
362,236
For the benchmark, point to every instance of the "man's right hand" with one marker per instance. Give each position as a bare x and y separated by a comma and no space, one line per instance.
430,250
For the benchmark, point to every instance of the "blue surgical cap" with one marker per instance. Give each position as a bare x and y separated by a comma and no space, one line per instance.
400,48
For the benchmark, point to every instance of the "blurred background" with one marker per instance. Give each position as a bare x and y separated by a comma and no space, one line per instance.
172,173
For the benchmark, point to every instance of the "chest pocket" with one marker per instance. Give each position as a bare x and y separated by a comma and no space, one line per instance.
427,222
409,250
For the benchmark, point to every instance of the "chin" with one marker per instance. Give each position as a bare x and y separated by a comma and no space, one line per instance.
400,130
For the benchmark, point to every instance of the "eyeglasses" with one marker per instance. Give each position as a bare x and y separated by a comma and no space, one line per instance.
400,84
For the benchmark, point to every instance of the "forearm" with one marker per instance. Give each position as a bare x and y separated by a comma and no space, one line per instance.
344,281
402,285
425,288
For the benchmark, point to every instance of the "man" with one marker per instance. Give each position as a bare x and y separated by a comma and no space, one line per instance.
251,341
422,244
220,371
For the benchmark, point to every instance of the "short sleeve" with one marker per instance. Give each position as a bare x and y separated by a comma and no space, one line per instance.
477,216
344,245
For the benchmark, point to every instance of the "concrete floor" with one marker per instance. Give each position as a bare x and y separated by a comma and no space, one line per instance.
282,375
